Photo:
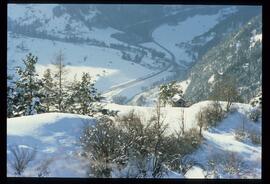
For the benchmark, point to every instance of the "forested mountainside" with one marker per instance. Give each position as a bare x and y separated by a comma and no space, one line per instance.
239,56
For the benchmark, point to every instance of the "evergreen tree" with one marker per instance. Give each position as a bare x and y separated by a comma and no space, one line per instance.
47,90
167,91
84,97
10,96
26,98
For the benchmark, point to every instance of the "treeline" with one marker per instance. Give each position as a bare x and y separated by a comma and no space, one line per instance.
28,93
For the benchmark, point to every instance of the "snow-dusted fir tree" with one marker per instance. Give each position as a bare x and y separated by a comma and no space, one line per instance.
47,90
84,97
26,98
60,71
10,96
168,91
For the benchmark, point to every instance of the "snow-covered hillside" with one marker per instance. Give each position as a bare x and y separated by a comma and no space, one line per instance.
177,37
55,136
45,19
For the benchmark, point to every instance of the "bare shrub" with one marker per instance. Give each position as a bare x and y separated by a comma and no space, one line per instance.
255,137
226,90
186,163
132,144
240,134
100,145
20,158
136,143
190,141
226,162
180,147
210,115
43,168
255,114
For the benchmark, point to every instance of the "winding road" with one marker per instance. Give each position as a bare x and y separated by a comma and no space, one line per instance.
173,66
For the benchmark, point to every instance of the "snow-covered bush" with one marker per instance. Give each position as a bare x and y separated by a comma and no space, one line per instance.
240,134
43,168
131,143
136,141
101,145
190,141
255,137
20,158
226,164
255,114
210,115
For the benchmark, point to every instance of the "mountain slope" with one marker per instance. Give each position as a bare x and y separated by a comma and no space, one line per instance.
240,56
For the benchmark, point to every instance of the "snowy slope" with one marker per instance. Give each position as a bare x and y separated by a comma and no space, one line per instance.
176,37
55,135
221,140
42,18
217,141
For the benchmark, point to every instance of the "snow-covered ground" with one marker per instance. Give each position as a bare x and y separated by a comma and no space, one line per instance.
55,136
220,142
175,37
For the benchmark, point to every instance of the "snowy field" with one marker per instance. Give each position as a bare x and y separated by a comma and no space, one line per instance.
56,135
105,65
